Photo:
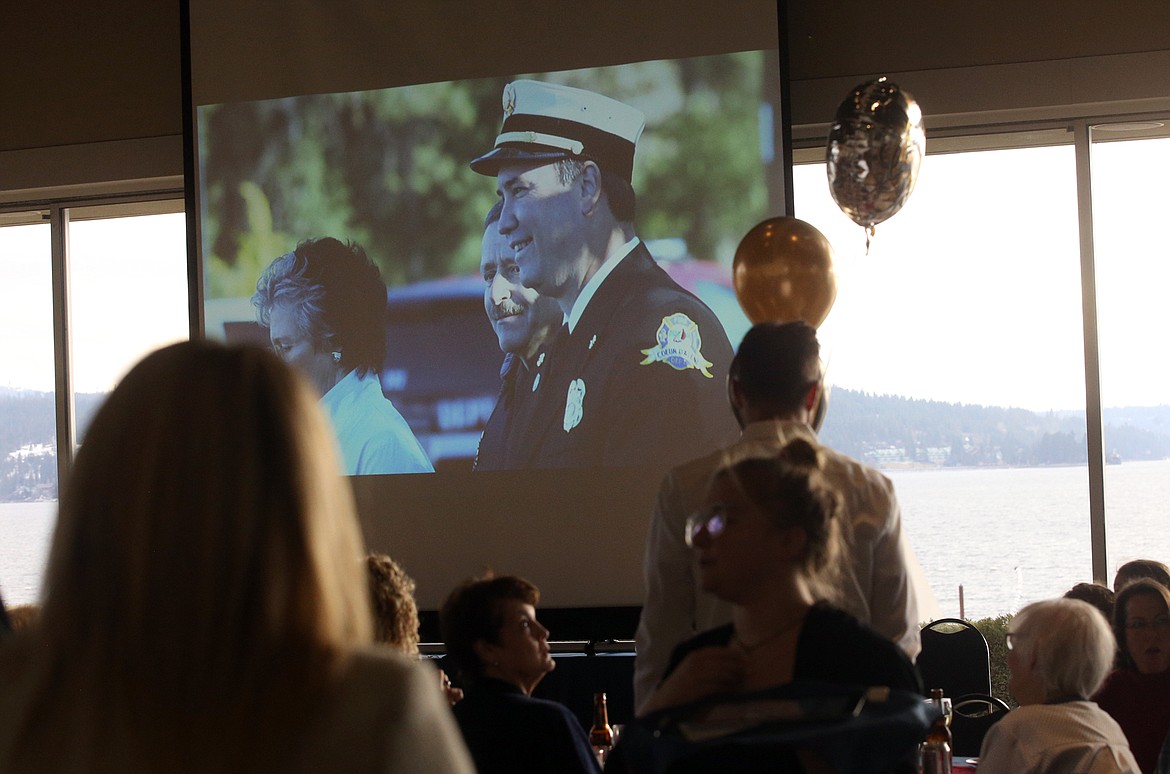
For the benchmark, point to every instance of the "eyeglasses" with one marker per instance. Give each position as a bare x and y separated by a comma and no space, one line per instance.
1161,624
713,519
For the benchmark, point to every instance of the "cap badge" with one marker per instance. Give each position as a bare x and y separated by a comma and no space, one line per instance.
574,405
679,345
509,100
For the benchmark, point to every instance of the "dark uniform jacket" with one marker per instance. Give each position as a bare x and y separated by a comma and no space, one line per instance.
508,732
515,382
641,380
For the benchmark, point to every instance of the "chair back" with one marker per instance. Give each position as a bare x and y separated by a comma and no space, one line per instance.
801,726
954,657
972,715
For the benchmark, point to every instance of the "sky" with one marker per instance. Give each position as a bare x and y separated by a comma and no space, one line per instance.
969,294
128,287
972,292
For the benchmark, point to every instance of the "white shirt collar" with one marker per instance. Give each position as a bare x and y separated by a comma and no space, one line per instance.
604,270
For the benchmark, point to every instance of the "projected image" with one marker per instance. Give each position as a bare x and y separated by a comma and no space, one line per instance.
500,273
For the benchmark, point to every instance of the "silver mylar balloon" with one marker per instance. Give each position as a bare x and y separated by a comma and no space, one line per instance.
875,148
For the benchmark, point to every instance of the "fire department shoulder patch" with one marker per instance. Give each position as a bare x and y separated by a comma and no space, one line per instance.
679,345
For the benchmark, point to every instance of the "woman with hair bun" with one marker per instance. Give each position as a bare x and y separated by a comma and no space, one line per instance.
766,541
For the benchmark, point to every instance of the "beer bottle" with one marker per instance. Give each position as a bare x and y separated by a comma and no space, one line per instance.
936,751
601,735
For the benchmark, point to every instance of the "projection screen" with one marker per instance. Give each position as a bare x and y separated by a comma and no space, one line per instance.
358,119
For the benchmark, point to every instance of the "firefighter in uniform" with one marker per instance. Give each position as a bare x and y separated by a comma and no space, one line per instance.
638,372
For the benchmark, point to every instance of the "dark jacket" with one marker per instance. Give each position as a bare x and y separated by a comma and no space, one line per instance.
641,380
508,731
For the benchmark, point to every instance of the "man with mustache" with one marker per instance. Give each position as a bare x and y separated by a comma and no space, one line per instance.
638,372
522,319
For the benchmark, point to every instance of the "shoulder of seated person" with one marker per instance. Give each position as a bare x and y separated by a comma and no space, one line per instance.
375,662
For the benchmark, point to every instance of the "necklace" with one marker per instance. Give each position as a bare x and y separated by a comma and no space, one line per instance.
748,649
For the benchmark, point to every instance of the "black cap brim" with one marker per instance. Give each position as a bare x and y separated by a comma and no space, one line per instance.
490,162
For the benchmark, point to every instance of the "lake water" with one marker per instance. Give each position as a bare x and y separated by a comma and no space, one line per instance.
25,532
1012,536
1009,536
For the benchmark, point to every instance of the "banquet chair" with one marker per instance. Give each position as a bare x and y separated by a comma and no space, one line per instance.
954,657
972,715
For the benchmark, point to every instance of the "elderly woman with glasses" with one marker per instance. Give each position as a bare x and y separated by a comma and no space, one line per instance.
1137,693
324,305
1059,652
766,541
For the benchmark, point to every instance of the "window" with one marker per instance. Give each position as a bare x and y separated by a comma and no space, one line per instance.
127,295
1133,274
955,355
28,467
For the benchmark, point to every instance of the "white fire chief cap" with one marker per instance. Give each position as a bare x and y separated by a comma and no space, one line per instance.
547,122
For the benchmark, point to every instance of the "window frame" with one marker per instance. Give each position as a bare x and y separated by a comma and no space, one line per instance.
166,195
59,212
809,147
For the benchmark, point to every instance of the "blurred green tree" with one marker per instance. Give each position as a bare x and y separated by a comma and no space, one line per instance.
389,168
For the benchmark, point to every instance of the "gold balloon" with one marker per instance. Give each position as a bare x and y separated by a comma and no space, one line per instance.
783,271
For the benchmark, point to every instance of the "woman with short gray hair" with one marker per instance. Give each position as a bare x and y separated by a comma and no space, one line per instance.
1059,652
324,306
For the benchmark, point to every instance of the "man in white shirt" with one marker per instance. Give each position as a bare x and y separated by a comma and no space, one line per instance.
774,386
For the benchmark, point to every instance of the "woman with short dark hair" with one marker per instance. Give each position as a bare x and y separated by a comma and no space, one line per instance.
1137,693
324,305
501,651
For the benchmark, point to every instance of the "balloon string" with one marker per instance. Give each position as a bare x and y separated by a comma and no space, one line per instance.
869,232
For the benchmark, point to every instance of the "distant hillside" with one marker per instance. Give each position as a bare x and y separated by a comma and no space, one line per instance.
28,421
891,430
884,430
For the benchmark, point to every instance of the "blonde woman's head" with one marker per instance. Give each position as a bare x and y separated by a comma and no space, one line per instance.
206,529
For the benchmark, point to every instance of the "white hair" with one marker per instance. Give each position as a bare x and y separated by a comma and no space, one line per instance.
1071,644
